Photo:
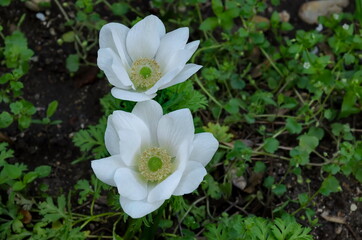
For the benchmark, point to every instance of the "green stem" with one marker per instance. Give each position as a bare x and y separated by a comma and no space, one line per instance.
271,62
305,205
207,92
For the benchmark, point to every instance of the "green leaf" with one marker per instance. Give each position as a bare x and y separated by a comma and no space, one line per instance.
316,132
212,187
72,63
5,3
221,133
85,190
349,104
24,121
308,143
275,2
279,189
16,107
68,36
13,171
119,9
233,106
19,185
5,119
293,126
271,145
259,167
329,185
303,199
268,182
43,171
209,24
217,6
52,212
29,177
52,107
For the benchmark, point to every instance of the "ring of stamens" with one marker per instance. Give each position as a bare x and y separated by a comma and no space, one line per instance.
155,164
145,73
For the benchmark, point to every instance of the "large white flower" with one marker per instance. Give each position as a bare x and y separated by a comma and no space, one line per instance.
141,60
153,156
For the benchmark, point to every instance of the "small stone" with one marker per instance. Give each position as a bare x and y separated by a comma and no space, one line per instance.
284,16
353,207
310,11
52,32
40,16
319,28
338,230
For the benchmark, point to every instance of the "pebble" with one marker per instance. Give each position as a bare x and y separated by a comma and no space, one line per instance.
310,11
40,16
353,207
52,32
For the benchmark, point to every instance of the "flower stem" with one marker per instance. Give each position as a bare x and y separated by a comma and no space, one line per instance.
207,92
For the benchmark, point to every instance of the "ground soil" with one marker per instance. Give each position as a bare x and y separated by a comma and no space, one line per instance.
78,98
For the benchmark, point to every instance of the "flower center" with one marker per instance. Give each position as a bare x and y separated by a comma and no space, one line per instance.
145,73
155,164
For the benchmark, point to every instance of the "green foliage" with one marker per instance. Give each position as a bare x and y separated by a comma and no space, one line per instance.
254,228
16,52
182,95
92,140
220,132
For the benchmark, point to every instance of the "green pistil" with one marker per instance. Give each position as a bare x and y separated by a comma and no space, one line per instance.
145,73
155,164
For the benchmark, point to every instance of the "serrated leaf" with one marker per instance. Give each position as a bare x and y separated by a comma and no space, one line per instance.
329,185
5,119
308,143
271,145
293,126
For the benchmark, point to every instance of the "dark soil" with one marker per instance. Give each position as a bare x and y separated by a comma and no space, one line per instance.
78,98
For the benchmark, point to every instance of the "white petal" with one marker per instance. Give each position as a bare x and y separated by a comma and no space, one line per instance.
110,63
165,189
150,112
164,80
129,185
187,72
105,168
170,44
174,129
191,179
111,138
113,35
133,133
204,147
131,95
144,38
180,58
138,209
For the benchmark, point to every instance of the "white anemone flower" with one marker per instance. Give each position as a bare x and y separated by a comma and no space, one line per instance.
153,156
144,59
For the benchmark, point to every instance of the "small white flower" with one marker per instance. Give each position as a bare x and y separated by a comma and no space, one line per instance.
153,156
335,16
306,65
345,26
141,60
